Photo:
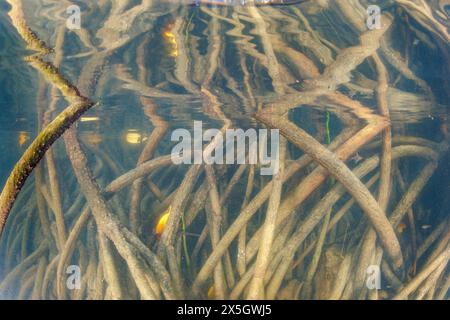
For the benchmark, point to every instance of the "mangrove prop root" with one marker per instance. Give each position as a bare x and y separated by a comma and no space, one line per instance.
320,210
271,233
385,166
34,154
256,290
422,275
67,251
215,220
51,132
110,225
252,208
342,173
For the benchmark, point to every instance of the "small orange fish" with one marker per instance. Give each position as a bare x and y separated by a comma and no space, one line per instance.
161,225
401,227
23,137
170,40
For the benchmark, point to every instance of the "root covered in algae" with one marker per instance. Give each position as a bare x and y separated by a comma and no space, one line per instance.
308,232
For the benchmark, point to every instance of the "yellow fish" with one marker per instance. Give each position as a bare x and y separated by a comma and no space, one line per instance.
401,227
133,137
161,225
23,137
170,40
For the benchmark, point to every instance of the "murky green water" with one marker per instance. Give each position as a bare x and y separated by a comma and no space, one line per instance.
153,67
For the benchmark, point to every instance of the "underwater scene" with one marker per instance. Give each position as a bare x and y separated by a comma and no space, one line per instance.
224,149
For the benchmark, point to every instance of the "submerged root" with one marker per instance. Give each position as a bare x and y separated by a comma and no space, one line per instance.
230,232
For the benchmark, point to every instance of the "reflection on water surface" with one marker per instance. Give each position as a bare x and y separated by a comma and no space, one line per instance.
363,157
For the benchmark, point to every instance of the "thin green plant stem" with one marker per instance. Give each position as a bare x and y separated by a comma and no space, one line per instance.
185,248
327,124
